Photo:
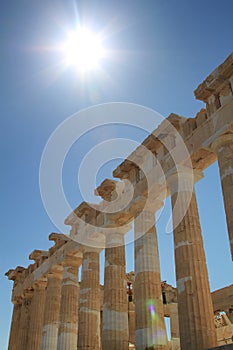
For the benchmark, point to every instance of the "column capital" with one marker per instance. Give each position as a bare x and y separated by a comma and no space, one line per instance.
72,261
183,179
89,249
40,284
55,271
221,140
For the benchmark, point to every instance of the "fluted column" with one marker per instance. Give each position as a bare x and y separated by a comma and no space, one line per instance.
51,310
24,321
131,320
89,302
13,340
68,324
149,315
115,305
196,316
36,315
223,146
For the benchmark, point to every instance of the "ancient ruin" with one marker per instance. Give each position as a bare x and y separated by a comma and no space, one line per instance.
52,310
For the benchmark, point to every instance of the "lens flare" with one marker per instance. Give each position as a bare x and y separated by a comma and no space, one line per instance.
83,49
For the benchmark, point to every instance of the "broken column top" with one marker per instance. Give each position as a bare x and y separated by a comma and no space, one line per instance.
16,273
37,254
105,189
214,81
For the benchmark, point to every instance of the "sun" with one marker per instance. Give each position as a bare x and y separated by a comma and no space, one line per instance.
84,50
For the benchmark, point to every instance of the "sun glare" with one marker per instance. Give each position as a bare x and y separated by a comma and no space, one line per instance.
84,50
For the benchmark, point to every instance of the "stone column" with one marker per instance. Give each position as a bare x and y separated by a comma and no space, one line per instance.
13,340
115,305
196,316
68,324
89,302
131,320
36,315
24,321
149,315
223,146
51,310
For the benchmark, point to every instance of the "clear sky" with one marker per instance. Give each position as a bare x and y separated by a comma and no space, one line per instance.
160,51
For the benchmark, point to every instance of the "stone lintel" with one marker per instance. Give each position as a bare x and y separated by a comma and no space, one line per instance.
214,81
42,270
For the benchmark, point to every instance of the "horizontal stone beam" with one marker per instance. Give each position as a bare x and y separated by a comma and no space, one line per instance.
70,248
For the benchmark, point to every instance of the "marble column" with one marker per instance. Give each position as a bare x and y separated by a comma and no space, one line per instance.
13,339
36,315
51,310
24,321
115,333
68,324
223,147
196,316
131,320
149,315
89,302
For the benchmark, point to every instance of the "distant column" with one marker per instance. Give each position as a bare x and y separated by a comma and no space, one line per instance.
115,333
223,147
36,315
51,310
13,340
89,302
196,316
68,324
149,315
24,321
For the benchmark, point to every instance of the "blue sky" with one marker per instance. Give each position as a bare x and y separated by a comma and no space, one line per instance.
161,50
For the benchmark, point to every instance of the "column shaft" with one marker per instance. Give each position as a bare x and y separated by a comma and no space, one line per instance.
51,311
224,149
68,324
24,322
150,327
36,316
89,310
115,305
196,316
13,339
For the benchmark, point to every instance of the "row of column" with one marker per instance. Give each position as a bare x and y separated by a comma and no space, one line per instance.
61,328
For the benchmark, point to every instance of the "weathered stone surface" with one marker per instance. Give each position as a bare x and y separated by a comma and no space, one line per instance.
196,322
13,339
115,305
89,302
51,310
36,315
24,320
68,322
224,149
150,330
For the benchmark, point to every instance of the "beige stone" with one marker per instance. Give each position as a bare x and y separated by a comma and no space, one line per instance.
24,321
224,149
68,322
51,310
150,330
115,304
13,339
36,315
196,321
89,302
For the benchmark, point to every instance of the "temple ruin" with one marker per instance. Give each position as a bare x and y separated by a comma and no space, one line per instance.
54,311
